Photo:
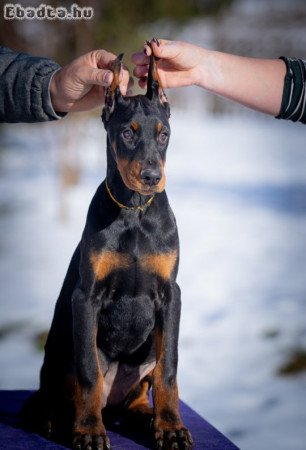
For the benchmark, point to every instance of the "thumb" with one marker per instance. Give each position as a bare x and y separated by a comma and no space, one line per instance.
90,76
166,49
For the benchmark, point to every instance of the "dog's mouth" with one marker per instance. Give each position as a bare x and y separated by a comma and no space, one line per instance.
131,174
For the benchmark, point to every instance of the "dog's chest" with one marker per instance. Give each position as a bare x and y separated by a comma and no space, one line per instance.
128,258
130,276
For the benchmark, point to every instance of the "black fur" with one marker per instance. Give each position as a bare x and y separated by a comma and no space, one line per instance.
127,314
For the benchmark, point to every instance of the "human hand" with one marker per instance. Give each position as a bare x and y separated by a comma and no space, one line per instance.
179,63
253,82
80,85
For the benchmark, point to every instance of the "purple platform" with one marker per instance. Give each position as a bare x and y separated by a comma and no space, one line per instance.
11,438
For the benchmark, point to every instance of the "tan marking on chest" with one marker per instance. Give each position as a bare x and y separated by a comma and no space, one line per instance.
161,264
107,262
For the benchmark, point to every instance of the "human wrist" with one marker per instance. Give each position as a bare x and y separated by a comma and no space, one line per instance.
55,95
208,70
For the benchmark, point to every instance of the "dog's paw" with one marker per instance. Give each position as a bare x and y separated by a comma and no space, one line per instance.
173,439
90,442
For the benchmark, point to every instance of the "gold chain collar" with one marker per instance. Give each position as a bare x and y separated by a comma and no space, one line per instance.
135,208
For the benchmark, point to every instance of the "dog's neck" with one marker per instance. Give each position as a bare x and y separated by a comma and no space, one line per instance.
118,189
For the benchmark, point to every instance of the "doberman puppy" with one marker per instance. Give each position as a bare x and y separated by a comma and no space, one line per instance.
116,322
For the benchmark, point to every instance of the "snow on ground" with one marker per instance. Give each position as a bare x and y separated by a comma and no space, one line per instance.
238,189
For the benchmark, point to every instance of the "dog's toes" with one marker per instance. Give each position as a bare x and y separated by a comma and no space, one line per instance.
77,443
159,439
91,442
173,439
186,438
105,444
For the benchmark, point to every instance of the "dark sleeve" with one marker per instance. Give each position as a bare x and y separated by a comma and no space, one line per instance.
24,87
293,105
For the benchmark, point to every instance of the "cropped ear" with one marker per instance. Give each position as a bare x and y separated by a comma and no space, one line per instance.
154,89
113,94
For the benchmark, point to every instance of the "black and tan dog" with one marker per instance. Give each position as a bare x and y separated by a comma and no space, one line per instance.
116,323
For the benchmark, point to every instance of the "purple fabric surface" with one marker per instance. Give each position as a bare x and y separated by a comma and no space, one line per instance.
11,438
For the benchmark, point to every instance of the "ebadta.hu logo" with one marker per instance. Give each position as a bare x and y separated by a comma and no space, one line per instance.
75,12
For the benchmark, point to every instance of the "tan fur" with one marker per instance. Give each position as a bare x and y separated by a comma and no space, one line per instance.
106,262
159,264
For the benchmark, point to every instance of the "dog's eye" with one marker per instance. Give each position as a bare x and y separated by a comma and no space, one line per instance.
128,134
163,137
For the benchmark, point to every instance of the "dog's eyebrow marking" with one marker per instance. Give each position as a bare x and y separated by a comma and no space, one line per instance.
135,125
106,262
159,126
161,264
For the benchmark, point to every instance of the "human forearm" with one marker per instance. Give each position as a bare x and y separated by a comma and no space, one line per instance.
255,83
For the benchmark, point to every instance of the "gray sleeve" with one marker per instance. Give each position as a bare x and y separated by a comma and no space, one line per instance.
24,87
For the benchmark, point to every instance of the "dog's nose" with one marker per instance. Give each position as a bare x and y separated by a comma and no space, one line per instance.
151,177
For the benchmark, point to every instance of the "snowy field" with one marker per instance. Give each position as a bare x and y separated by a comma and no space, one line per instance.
238,189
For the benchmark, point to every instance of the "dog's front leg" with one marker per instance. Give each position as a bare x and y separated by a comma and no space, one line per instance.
170,432
89,431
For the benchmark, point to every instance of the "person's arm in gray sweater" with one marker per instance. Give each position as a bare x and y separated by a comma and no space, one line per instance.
24,87
34,89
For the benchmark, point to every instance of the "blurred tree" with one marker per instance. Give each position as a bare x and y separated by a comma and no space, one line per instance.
58,39
116,25
121,21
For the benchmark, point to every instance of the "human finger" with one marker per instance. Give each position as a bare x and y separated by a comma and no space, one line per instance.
163,48
102,58
90,76
139,58
141,71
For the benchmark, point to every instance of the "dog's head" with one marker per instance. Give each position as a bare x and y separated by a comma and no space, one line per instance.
138,132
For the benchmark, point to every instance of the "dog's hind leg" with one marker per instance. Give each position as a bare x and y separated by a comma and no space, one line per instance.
138,408
34,415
